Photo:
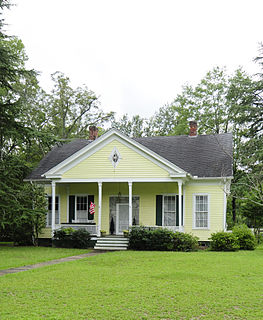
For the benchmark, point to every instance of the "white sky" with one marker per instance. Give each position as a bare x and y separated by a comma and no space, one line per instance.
136,54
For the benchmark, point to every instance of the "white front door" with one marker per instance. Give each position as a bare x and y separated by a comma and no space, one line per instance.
122,217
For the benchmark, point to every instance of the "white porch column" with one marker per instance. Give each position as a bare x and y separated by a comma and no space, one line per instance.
53,213
130,204
100,199
180,204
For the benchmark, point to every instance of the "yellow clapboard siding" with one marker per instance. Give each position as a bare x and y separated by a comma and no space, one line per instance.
147,211
45,233
216,209
131,165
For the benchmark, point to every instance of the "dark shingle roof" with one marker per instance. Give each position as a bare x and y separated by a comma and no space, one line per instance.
55,156
202,156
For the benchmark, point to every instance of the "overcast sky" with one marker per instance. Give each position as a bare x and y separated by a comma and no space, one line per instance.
136,54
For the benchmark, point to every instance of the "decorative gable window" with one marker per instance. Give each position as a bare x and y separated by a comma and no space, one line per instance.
115,157
201,211
49,213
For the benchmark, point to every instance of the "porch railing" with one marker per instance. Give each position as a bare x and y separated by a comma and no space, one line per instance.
172,228
91,228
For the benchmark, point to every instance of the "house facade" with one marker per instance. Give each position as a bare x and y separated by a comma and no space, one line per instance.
177,182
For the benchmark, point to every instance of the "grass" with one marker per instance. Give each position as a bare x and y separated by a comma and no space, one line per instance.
11,257
140,285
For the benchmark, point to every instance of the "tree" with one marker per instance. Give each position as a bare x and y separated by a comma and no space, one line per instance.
69,112
250,116
34,211
133,128
215,102
212,102
15,133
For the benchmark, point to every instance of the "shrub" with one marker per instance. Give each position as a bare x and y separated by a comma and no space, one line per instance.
160,239
246,238
138,238
61,234
143,238
80,238
70,238
224,241
184,242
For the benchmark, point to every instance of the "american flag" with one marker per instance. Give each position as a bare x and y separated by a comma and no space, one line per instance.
92,208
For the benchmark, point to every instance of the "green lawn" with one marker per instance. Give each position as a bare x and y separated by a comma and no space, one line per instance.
11,257
139,285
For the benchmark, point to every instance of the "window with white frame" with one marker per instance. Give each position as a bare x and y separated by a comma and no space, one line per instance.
49,213
82,203
169,210
82,209
201,211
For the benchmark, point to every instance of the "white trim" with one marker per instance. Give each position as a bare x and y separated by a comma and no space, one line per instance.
225,207
211,178
53,214
49,195
183,206
118,180
100,143
99,203
130,204
180,203
208,213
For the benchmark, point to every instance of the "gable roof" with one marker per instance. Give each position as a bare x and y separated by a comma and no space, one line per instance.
202,156
56,156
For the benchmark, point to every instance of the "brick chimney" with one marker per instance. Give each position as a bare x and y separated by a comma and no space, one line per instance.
93,133
193,128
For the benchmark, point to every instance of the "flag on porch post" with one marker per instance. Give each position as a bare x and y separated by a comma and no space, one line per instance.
92,208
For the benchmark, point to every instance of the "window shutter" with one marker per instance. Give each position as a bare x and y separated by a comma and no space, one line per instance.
159,210
177,210
49,211
57,210
90,199
71,208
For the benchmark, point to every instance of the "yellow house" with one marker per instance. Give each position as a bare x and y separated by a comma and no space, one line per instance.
175,182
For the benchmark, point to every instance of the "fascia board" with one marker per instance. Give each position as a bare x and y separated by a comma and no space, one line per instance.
102,141
212,178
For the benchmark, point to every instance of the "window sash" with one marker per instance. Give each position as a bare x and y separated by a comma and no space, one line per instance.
81,203
82,209
169,210
49,213
201,211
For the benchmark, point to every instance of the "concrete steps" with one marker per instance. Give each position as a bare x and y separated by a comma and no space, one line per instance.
111,243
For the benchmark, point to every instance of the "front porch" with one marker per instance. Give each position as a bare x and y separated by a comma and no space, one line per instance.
118,205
